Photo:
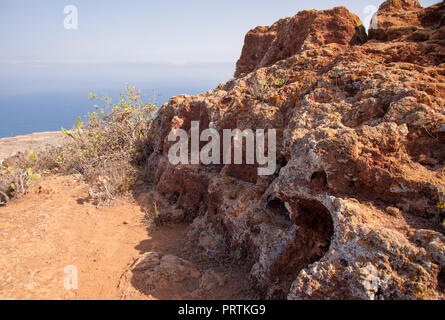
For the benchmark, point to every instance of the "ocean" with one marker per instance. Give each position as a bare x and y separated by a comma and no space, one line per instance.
36,97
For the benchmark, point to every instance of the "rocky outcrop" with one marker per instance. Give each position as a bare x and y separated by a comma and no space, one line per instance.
407,20
356,205
263,46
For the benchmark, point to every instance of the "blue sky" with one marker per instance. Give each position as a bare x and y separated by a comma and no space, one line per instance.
136,31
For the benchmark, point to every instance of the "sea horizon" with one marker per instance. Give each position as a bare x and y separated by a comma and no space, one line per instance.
45,96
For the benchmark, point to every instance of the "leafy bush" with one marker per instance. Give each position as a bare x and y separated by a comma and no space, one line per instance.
110,145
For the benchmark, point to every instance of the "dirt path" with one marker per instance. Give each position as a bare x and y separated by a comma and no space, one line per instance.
53,228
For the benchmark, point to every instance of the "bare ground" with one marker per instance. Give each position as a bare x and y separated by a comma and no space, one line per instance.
54,226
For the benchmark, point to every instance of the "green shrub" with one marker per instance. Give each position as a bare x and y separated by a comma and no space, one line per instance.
108,147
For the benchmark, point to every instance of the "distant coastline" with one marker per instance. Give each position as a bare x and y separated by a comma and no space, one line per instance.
31,142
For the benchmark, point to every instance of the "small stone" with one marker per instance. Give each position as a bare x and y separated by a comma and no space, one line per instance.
392,211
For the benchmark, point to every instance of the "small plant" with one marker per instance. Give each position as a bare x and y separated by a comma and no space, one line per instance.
261,89
278,83
433,126
20,172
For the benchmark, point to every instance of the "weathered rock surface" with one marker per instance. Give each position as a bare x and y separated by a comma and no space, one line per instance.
407,20
356,206
263,46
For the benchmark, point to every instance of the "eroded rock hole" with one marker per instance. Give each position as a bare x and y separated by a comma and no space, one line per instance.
276,206
314,219
311,243
319,180
279,211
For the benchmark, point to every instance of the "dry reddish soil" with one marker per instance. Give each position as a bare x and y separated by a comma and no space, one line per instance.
54,226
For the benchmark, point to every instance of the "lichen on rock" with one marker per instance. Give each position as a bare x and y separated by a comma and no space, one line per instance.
353,210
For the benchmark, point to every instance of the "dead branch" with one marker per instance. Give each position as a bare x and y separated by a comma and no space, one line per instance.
5,197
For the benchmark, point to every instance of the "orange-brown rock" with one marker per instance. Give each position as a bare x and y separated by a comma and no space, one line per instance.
263,46
407,20
356,206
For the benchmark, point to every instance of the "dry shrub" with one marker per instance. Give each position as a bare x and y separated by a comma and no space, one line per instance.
110,146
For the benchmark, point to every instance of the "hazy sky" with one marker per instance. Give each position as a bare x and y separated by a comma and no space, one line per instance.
122,31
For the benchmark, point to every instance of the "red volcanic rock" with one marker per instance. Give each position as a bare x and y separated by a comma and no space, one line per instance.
408,20
355,209
256,44
263,46
396,5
